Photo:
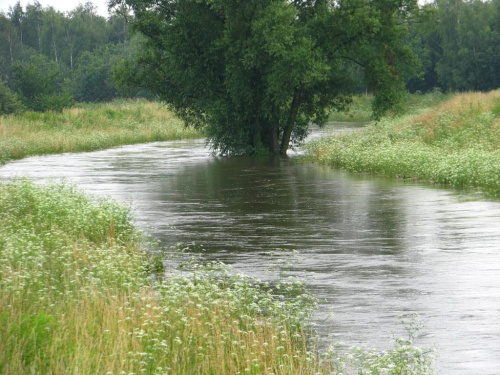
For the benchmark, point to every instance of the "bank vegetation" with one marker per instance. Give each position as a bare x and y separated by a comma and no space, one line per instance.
78,294
88,127
452,142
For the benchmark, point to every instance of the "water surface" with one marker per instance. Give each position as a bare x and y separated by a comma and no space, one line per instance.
370,248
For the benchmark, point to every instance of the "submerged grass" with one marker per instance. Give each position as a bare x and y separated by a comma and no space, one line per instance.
88,128
77,296
455,142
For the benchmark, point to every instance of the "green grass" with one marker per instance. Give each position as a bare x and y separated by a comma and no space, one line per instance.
359,111
455,142
87,128
78,295
361,108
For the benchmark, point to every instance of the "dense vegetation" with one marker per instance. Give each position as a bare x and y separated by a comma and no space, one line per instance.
255,74
457,42
78,296
77,291
49,60
88,127
450,141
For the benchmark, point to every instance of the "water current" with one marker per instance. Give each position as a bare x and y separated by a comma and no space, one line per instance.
371,249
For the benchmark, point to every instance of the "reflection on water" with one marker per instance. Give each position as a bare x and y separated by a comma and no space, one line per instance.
370,248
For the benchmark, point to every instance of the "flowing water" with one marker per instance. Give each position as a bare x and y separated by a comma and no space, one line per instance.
372,249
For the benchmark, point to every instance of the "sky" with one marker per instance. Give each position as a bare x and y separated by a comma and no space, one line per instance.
60,5
67,5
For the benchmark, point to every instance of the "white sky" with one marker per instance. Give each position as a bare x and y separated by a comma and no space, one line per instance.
67,5
60,5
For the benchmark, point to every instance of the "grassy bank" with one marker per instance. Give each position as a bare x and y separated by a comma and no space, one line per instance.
455,142
77,296
87,128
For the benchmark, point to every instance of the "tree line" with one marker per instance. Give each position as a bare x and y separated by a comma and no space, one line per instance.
458,43
270,66
50,59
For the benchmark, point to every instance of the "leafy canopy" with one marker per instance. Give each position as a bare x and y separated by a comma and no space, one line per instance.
40,84
254,73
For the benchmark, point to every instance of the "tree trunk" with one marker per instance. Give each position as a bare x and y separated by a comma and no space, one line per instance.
294,110
275,148
11,49
39,34
257,136
55,51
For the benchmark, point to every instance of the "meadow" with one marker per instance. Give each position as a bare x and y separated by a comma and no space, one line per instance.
88,127
451,141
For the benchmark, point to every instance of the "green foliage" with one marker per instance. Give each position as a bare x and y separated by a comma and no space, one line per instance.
360,110
51,102
69,212
70,41
92,79
85,31
40,85
34,332
9,103
255,74
457,41
10,45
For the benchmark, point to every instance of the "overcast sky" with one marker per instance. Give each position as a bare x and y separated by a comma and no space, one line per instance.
60,5
67,5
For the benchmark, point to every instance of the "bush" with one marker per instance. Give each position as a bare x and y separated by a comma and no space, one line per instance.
41,85
51,102
9,102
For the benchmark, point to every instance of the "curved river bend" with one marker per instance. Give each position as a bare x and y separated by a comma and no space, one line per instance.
370,248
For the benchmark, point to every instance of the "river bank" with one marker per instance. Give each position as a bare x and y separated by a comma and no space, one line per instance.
77,295
80,294
88,127
77,288
454,143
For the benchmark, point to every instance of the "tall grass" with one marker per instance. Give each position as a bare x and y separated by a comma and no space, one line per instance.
360,109
87,128
77,296
456,143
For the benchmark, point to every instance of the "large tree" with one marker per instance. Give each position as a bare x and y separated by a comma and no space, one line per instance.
255,73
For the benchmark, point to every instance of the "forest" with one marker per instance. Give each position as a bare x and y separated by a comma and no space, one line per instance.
49,60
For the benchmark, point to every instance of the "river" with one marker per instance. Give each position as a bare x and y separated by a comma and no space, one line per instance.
371,249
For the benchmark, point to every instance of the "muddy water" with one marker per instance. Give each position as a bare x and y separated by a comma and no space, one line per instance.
372,249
